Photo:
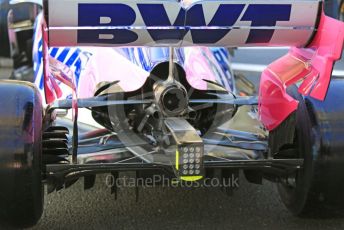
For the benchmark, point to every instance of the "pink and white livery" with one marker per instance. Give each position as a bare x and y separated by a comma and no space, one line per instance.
160,97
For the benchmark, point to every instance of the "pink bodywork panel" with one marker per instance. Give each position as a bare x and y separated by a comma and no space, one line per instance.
312,66
197,67
107,65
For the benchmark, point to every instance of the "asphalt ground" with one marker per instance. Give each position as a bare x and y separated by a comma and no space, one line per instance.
251,207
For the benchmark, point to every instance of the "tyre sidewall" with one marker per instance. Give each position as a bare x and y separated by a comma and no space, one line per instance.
21,191
295,199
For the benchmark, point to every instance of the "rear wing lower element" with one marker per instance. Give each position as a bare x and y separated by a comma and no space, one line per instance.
171,23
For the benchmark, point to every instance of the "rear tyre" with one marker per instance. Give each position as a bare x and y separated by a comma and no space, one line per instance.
294,190
21,190
318,188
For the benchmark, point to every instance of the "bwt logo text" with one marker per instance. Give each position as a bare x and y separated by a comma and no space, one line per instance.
120,17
